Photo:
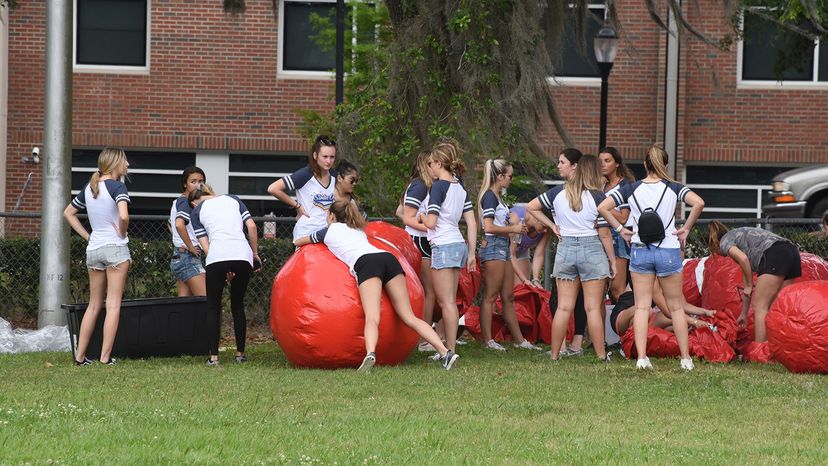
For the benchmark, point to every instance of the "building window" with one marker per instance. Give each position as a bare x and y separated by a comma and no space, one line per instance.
111,35
770,54
731,191
572,66
251,174
300,48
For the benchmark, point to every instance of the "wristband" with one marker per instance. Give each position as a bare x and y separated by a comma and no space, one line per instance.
619,228
297,206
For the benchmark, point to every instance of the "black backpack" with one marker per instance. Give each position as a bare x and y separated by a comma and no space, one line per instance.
650,227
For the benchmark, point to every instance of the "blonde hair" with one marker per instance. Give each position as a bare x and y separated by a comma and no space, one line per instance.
347,212
420,168
492,168
715,231
109,159
203,189
587,177
446,154
656,162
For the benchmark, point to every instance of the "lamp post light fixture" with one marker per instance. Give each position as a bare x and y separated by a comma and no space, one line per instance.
606,47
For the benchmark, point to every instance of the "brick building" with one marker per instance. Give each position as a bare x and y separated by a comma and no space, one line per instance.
178,82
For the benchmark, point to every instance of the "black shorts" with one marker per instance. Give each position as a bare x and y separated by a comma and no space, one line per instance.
379,264
782,259
625,301
422,244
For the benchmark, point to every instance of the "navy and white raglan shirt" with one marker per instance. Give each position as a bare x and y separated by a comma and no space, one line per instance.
314,198
416,195
103,212
620,207
492,207
221,220
647,195
346,243
449,201
571,223
181,209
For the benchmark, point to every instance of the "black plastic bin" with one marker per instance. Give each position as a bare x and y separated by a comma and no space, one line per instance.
148,327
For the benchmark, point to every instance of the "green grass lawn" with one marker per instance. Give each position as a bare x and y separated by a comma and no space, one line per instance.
513,408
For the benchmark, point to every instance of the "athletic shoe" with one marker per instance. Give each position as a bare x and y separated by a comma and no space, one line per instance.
687,364
527,345
368,362
240,359
425,347
493,345
569,352
449,359
643,364
210,362
435,357
86,361
111,362
548,355
461,342
607,357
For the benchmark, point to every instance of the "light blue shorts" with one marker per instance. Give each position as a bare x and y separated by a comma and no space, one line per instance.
496,249
662,262
449,256
185,266
622,249
110,255
581,256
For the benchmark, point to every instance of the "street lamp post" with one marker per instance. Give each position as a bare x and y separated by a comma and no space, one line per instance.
606,46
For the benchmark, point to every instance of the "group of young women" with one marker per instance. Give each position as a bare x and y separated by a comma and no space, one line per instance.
614,234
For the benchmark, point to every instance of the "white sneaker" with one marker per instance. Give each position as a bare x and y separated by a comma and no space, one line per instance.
643,364
687,364
435,356
493,345
425,347
527,345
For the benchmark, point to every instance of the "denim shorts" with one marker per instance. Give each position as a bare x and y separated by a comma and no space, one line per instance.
496,248
662,262
185,266
622,249
582,257
107,256
449,256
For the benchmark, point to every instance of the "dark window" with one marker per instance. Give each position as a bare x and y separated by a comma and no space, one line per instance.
138,159
111,32
572,62
718,174
771,53
267,163
300,49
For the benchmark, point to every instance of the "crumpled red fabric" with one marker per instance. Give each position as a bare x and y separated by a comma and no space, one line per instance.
757,352
797,326
529,303
690,286
703,342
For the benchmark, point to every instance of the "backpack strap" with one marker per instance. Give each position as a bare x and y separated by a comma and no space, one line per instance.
656,211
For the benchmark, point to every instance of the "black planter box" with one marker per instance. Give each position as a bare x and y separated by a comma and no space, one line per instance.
148,327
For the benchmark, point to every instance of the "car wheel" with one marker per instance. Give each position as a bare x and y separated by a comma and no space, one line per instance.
820,208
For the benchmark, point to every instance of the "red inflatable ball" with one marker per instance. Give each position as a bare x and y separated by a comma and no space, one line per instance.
317,319
399,238
798,327
813,268
692,276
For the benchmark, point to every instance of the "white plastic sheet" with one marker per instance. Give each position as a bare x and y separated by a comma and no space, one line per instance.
48,338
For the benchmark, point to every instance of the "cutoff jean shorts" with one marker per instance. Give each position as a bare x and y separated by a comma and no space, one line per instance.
662,262
496,249
185,266
581,257
622,249
449,256
110,255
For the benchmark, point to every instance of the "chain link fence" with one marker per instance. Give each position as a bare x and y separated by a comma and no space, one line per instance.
151,249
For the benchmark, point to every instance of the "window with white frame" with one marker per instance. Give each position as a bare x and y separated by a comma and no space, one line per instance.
111,35
573,65
769,53
731,191
300,51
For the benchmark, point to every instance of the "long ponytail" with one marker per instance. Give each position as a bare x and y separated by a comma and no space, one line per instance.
109,159
347,212
492,168
715,231
656,162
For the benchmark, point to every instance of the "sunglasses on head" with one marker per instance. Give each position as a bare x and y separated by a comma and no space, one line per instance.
326,141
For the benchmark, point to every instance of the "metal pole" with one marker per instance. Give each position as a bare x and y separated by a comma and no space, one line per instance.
340,50
671,94
605,69
54,232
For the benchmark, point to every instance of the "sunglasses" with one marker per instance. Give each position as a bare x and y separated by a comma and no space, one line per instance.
352,179
326,141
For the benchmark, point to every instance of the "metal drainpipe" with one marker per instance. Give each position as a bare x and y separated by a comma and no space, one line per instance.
54,232
671,94
4,107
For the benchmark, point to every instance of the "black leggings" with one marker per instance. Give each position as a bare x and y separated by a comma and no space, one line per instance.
215,281
580,311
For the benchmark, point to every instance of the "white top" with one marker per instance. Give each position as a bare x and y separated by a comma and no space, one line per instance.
314,198
221,219
416,195
571,223
449,201
346,243
103,212
181,209
492,207
647,195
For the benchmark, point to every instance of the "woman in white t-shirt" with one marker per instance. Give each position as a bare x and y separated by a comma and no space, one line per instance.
106,200
219,223
447,203
314,188
661,259
185,265
374,270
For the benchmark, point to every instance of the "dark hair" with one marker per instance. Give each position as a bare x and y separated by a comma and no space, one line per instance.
347,212
189,171
825,218
321,141
345,167
715,231
621,170
572,154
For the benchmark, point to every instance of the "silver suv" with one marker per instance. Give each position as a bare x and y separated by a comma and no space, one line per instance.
799,193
